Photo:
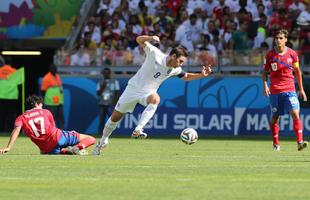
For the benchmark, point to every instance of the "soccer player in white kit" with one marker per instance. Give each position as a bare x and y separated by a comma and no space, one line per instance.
142,87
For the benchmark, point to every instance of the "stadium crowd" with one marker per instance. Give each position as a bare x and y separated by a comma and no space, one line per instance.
214,32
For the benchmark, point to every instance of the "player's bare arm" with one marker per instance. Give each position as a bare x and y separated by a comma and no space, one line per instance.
299,81
13,137
266,88
145,38
206,71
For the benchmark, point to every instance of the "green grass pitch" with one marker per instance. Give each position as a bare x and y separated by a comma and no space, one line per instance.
152,169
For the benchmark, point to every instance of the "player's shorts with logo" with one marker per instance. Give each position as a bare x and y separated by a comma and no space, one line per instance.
130,97
283,103
68,138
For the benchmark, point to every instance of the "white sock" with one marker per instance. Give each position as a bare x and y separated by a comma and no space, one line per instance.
107,131
147,114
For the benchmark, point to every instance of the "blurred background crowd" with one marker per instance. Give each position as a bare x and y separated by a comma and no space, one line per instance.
223,32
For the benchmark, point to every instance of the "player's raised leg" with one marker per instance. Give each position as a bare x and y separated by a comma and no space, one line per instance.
75,143
152,102
85,141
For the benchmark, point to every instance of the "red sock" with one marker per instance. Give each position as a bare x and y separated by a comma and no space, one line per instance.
274,128
297,127
86,142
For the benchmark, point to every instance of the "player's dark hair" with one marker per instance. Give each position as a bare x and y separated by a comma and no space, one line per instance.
282,31
32,100
178,51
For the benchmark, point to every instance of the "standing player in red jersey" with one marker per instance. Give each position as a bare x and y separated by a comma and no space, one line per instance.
39,125
282,63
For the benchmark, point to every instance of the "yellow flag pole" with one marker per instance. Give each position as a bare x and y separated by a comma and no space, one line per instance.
23,91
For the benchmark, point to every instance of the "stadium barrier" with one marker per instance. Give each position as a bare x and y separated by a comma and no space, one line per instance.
123,63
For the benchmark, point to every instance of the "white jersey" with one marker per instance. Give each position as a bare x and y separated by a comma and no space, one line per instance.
153,71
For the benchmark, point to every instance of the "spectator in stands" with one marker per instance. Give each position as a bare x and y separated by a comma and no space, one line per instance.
80,57
108,90
104,20
62,56
152,6
304,16
133,6
162,18
135,23
108,6
148,26
304,34
258,54
138,56
94,31
91,47
261,34
210,5
188,33
193,4
296,7
117,17
181,16
143,15
205,44
124,11
130,36
280,20
295,40
173,7
240,38
52,91
203,21
217,41
166,44
116,30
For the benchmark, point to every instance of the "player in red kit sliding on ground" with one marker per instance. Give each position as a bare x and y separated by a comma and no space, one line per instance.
39,125
282,63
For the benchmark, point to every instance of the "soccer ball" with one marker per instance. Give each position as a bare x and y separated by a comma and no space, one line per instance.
189,136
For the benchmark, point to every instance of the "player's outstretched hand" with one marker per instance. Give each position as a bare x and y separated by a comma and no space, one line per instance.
266,91
206,70
4,150
155,38
303,95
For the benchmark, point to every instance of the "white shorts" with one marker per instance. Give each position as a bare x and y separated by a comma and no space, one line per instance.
129,99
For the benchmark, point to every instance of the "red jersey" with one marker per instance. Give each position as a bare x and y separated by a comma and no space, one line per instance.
39,126
281,68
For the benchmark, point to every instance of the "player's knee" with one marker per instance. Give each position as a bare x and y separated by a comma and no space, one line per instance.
116,116
153,99
274,119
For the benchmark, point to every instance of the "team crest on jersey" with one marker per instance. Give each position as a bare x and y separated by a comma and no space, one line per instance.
274,66
168,71
289,60
274,109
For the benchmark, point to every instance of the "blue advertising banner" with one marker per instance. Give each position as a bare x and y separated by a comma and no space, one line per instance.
212,106
208,122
